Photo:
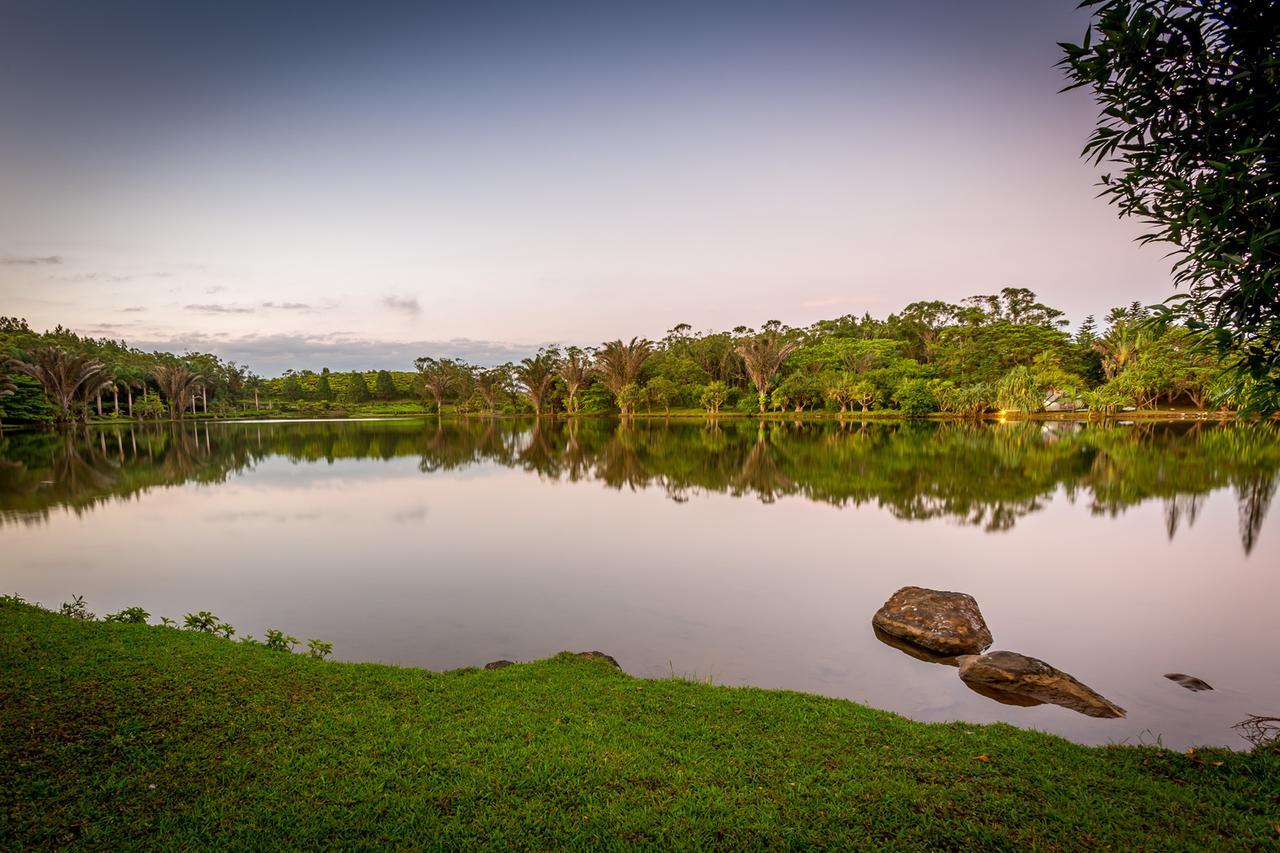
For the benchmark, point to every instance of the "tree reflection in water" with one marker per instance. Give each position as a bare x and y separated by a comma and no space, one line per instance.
984,475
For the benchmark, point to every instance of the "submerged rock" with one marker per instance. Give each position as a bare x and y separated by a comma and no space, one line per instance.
1188,681
499,664
600,656
911,649
945,622
1020,678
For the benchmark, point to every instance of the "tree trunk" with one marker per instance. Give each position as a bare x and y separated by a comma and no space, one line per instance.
204,398
255,398
99,402
128,390
115,399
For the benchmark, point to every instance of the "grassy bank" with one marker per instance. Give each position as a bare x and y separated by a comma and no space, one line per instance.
119,735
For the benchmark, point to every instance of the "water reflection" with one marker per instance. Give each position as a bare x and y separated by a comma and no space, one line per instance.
988,476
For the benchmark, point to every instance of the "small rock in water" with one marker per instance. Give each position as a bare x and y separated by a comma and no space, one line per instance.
499,664
945,622
1188,681
1026,677
600,656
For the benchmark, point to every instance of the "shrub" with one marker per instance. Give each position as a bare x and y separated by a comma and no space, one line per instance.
319,649
75,609
130,616
204,622
278,641
915,398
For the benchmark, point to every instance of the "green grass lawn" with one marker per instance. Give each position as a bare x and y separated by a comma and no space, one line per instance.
128,735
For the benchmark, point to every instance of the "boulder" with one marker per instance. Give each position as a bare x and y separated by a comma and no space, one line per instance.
1026,678
948,623
499,664
911,649
601,657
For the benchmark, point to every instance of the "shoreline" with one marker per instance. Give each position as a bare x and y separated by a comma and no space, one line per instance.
120,734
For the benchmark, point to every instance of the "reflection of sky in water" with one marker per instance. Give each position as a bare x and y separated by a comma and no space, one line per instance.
464,566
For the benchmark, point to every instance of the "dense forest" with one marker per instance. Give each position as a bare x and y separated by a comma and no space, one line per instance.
1005,352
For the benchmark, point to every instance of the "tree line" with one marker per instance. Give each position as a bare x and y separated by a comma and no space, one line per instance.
1004,352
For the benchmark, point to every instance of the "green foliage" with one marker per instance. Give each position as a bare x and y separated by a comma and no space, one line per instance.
204,622
1019,390
278,641
798,391
76,609
629,397
130,616
1189,93
915,398
385,386
292,388
356,389
713,396
661,391
319,649
968,401
324,391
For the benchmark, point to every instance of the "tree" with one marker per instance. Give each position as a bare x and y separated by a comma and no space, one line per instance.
385,386
629,397
537,374
763,356
619,364
253,382
63,376
7,389
915,398
575,369
1018,391
661,392
324,391
291,387
1190,93
357,390
436,376
714,396
490,383
177,384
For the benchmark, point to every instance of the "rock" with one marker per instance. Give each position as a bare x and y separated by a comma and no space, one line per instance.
1025,678
945,622
1188,681
917,652
499,664
600,656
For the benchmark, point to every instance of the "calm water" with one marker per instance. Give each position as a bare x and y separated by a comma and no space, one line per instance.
732,553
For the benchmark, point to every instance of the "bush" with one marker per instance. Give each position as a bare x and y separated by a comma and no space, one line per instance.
130,616
915,398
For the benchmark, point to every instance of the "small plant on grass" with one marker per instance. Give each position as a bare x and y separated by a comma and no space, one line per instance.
319,649
248,640
224,630
75,609
204,622
167,622
279,641
130,616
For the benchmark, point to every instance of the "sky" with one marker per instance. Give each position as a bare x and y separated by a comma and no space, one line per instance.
354,185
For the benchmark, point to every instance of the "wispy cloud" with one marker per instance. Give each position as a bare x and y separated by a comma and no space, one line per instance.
30,260
274,353
214,308
288,306
840,300
137,309
404,304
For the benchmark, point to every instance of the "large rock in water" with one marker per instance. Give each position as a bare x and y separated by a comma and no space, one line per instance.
1019,677
945,622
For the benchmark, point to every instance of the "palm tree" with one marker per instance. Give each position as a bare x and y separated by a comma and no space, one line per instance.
436,376
63,375
619,364
763,356
1119,346
254,383
177,384
492,382
575,370
536,375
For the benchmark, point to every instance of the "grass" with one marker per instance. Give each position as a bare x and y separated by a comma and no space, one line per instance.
128,735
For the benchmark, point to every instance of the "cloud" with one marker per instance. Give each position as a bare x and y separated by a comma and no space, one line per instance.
405,304
30,260
272,354
217,288
137,309
288,306
213,308
840,300
94,276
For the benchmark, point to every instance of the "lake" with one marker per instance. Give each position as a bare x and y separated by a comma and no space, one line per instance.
734,552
